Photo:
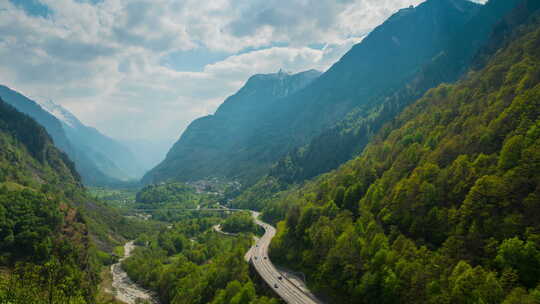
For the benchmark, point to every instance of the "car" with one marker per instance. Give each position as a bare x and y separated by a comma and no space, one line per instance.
275,285
265,258
280,278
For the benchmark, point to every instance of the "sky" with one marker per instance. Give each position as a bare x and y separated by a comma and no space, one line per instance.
144,69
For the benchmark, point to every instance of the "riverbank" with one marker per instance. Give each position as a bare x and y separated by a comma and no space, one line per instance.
124,289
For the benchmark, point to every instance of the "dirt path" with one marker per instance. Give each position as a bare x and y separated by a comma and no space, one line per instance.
124,289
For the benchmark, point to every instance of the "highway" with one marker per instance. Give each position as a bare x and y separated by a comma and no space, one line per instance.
258,256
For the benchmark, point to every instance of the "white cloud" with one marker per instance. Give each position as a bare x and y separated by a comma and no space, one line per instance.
102,61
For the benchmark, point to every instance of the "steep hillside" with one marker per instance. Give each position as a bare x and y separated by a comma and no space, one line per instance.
383,61
215,145
44,118
341,142
40,229
86,147
350,135
443,205
52,231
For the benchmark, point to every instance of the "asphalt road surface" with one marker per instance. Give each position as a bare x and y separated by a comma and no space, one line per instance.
258,256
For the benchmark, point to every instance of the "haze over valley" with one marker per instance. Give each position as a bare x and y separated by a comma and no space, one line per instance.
266,152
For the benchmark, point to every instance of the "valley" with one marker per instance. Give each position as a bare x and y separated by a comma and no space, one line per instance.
397,163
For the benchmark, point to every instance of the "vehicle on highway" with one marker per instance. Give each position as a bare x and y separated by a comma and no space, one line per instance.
275,285
280,278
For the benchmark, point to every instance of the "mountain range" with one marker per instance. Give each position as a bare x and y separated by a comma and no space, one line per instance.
442,206
98,158
218,144
408,172
256,129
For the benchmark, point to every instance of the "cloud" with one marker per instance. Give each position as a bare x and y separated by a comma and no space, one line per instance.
108,61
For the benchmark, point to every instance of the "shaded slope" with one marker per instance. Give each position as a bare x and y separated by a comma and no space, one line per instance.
442,207
38,224
383,61
215,145
341,142
111,157
346,139
86,164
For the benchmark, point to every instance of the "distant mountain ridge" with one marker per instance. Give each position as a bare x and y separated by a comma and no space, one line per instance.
381,63
99,159
211,143
110,156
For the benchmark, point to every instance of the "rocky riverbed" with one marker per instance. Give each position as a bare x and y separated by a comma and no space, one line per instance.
124,289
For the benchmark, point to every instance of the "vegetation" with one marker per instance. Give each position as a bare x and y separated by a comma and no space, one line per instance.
164,193
239,222
347,139
190,263
118,198
443,205
275,113
44,238
54,237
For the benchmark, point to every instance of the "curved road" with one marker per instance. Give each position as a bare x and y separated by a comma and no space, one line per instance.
258,256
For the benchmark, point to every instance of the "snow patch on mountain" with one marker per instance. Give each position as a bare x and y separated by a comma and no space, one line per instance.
61,113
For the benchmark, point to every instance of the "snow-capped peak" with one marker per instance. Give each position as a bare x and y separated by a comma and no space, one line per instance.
61,113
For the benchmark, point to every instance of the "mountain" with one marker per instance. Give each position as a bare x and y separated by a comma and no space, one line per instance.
148,152
44,118
43,235
214,145
111,157
91,151
55,237
347,138
443,204
386,59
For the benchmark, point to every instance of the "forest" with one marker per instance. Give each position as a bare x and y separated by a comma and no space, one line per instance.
239,222
442,206
189,264
423,187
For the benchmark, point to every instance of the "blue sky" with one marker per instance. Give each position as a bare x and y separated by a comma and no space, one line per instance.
144,69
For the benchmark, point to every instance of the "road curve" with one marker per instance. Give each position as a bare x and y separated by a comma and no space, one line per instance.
258,256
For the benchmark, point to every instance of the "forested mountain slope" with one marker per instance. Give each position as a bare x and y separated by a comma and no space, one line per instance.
38,226
97,158
383,61
443,206
348,138
49,226
350,135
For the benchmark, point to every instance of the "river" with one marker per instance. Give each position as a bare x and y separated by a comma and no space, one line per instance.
124,288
